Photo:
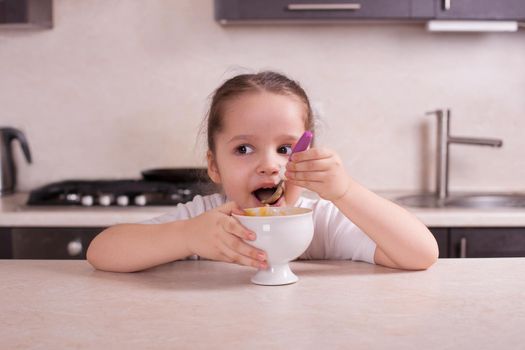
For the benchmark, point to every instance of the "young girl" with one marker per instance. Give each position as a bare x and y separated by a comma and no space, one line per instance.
253,122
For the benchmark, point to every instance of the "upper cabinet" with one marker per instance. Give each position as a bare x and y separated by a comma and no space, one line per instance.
321,10
480,9
253,11
26,13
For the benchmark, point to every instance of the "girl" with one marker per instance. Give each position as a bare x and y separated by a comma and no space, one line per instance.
253,121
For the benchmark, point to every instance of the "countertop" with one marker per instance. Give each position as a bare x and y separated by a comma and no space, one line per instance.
14,213
456,304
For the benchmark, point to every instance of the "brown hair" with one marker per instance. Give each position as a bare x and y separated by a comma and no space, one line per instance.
264,81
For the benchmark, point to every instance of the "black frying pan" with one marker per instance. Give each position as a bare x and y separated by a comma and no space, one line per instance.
176,175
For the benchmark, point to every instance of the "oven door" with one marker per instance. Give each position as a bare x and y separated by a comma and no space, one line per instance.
47,242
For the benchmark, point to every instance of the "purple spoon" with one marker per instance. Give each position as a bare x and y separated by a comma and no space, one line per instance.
301,145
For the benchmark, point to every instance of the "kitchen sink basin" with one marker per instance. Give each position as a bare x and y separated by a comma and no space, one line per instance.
470,200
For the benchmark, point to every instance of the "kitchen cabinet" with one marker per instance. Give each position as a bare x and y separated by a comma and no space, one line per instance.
46,242
5,243
253,11
480,9
442,238
72,243
487,242
483,242
26,13
319,10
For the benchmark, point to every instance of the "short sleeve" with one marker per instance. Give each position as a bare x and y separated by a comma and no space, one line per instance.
183,211
335,236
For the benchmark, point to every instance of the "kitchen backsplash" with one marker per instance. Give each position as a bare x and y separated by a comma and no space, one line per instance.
121,86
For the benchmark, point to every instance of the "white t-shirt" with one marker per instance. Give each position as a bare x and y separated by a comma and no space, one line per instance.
335,236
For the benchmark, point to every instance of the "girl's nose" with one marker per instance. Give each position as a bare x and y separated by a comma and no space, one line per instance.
269,165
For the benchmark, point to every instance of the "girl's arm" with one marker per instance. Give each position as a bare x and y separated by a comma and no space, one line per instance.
135,247
402,240
214,235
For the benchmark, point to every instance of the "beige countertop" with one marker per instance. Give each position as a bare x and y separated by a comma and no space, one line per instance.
456,304
14,212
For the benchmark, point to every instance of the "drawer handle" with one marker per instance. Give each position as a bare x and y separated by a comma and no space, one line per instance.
463,247
447,4
74,248
324,7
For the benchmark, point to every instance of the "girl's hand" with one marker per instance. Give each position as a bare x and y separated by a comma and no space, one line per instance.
216,235
319,170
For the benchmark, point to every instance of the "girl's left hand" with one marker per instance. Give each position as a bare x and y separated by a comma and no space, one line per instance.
319,170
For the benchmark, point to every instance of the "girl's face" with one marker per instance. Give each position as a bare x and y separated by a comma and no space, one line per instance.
258,132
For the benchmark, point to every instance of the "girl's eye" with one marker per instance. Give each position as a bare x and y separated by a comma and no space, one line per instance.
285,149
244,149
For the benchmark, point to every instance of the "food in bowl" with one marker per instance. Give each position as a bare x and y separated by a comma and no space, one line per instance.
274,211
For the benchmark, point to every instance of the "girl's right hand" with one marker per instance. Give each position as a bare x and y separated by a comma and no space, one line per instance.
217,235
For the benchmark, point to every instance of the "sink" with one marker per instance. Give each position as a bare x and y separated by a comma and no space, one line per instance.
466,200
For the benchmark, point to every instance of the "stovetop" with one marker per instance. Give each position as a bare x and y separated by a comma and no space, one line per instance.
106,193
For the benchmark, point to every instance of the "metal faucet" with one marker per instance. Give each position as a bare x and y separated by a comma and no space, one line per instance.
442,152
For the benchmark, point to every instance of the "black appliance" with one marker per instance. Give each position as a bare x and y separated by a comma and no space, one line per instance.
7,161
123,193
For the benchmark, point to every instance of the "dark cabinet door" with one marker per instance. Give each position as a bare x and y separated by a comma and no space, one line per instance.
442,238
307,10
487,242
13,11
50,243
480,9
5,243
26,13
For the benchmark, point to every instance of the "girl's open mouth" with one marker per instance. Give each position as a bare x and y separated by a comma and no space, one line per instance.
262,194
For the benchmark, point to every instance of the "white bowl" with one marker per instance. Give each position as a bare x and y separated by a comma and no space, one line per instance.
283,233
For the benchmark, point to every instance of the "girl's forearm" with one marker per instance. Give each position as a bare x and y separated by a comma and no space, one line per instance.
135,247
404,239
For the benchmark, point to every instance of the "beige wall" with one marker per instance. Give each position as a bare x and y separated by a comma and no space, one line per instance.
120,86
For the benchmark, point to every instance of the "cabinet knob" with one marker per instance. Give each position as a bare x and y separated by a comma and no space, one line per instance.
324,7
74,248
447,4
463,247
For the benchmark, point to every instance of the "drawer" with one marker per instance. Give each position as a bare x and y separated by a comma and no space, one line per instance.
50,243
487,242
305,10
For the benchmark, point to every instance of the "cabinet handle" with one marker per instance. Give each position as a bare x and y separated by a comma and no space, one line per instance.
463,247
74,247
447,4
324,7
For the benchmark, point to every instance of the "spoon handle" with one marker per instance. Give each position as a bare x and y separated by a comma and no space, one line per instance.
303,143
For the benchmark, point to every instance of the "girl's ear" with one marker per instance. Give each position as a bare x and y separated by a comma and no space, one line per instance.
213,170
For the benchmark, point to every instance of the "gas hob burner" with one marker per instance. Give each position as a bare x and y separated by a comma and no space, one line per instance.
123,193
